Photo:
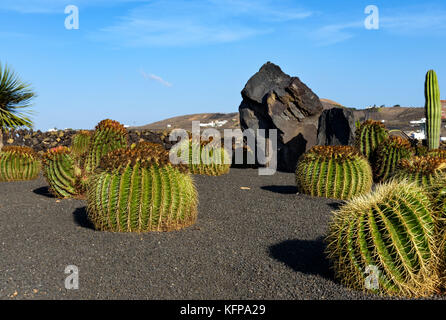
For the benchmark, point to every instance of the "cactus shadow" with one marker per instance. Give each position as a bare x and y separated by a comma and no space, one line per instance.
80,217
305,256
336,205
281,189
43,191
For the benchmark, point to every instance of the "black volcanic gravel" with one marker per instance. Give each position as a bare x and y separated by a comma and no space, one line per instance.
261,243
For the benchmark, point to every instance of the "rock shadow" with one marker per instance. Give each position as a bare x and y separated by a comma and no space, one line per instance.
305,256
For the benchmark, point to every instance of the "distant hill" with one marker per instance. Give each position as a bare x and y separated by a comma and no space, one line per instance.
394,118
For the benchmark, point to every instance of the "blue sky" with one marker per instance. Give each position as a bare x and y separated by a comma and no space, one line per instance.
140,61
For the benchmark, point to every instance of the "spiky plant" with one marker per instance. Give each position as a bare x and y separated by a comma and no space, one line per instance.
18,163
392,232
81,142
15,98
139,190
339,172
368,136
63,174
432,110
438,153
420,170
205,157
109,135
387,156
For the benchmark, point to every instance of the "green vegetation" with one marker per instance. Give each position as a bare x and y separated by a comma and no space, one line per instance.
432,109
18,163
368,136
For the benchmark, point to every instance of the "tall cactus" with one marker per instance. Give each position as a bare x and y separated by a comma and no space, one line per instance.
18,163
109,135
339,172
139,190
63,174
421,170
432,110
81,142
368,136
387,155
390,233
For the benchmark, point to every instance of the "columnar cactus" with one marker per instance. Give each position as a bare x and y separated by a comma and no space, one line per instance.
63,174
421,170
387,155
368,136
108,136
432,110
81,142
388,236
339,172
19,163
205,157
139,190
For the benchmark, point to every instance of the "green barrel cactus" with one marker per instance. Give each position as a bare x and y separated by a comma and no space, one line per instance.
421,170
387,156
18,164
109,135
432,110
63,174
80,143
139,190
368,136
386,242
338,172
438,153
205,157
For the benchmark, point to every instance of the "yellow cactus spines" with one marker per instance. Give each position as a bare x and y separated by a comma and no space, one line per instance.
338,172
19,163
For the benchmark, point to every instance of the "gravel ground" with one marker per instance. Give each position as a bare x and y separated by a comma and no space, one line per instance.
261,243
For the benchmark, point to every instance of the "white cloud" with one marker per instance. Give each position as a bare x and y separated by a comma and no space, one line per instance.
156,78
183,23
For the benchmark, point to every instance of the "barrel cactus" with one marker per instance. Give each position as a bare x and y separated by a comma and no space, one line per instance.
81,142
368,136
339,172
64,175
432,110
139,190
438,153
19,163
109,135
387,156
386,242
205,157
420,170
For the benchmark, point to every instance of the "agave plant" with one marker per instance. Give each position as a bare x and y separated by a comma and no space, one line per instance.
15,97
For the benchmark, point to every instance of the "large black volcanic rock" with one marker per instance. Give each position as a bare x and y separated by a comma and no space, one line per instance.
336,127
274,100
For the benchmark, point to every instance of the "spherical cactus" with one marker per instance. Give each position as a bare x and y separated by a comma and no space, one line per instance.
438,153
420,170
338,172
109,135
368,136
64,176
81,142
386,242
387,156
139,190
205,157
18,163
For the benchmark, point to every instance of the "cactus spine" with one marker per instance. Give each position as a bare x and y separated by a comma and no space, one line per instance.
421,170
368,136
18,163
391,230
81,142
387,155
339,172
62,173
108,136
138,190
432,110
